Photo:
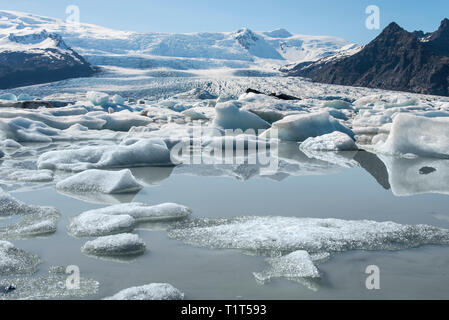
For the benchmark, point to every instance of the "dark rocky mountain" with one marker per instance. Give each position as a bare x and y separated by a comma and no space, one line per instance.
395,60
39,58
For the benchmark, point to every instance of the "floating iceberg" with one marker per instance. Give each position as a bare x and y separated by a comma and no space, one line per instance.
98,98
295,265
143,212
14,261
116,245
101,181
145,152
283,234
25,175
10,206
32,225
420,136
230,116
97,224
335,141
153,291
302,126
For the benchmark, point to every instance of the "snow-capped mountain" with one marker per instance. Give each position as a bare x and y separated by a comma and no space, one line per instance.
33,58
241,49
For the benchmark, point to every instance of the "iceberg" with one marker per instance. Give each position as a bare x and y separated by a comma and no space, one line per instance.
100,181
230,116
124,244
420,136
145,152
152,291
335,141
14,261
299,127
97,224
32,225
8,97
98,98
298,264
10,206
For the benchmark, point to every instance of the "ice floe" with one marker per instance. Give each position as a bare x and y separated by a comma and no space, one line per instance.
283,234
53,286
152,291
335,141
144,212
123,244
15,261
101,181
98,224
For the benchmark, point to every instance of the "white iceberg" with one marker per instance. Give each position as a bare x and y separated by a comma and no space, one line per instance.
143,212
295,265
115,245
335,141
145,152
420,136
230,116
14,261
152,291
98,98
101,181
299,127
280,234
97,224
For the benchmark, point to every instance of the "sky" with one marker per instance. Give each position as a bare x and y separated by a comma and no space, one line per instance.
341,18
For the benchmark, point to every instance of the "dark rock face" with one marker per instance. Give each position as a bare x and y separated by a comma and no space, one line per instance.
22,68
395,60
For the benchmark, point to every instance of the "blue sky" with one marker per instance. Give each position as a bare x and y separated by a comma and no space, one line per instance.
342,18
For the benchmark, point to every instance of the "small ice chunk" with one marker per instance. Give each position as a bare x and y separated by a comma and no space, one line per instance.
299,127
32,225
118,99
8,96
97,224
145,152
153,291
98,98
335,141
115,245
101,181
25,175
297,264
14,261
229,116
144,212
24,97
337,104
9,143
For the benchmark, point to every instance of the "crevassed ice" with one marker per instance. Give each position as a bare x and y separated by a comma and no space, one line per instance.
285,234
